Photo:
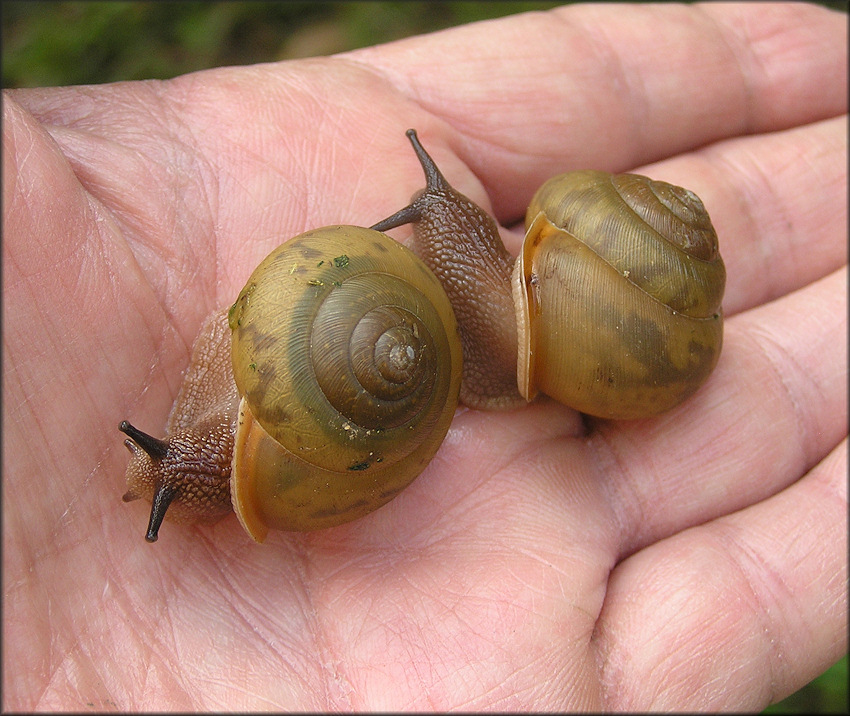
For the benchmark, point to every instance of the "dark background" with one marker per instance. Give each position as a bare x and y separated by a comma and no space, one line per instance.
65,43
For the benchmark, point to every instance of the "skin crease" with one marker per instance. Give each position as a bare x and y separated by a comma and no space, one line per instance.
692,561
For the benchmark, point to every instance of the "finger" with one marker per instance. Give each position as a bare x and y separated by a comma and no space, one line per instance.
737,613
615,87
774,407
778,203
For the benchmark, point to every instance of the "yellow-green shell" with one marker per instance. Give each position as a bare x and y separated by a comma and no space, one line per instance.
618,290
347,357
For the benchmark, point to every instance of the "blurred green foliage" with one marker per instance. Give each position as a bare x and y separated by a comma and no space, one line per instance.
60,43
827,694
64,43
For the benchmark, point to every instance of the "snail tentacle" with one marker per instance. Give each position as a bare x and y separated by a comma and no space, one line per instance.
154,447
435,183
161,500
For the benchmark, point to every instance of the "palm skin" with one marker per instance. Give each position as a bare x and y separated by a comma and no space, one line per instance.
542,561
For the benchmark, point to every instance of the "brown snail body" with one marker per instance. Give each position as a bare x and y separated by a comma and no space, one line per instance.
277,416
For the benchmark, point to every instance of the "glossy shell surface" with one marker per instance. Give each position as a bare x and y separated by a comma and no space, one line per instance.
618,289
347,357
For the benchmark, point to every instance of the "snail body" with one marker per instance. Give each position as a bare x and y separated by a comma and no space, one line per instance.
332,380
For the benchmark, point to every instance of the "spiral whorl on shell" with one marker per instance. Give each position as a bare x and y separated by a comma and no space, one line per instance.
347,357
618,290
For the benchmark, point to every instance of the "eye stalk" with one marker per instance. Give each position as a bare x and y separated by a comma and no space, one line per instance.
156,450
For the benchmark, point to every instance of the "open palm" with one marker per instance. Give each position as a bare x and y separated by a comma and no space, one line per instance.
542,561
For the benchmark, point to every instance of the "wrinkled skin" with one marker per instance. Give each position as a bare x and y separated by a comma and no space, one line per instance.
692,561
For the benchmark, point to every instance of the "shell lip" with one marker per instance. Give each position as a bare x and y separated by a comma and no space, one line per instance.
241,476
524,295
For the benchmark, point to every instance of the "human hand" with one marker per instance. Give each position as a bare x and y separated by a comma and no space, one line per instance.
693,561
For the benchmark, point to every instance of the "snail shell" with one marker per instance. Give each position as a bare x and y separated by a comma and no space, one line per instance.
348,364
618,288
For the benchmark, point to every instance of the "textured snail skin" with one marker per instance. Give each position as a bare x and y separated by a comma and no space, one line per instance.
614,305
188,473
322,393
460,243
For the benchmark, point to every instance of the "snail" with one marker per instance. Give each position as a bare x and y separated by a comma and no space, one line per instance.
612,308
316,398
